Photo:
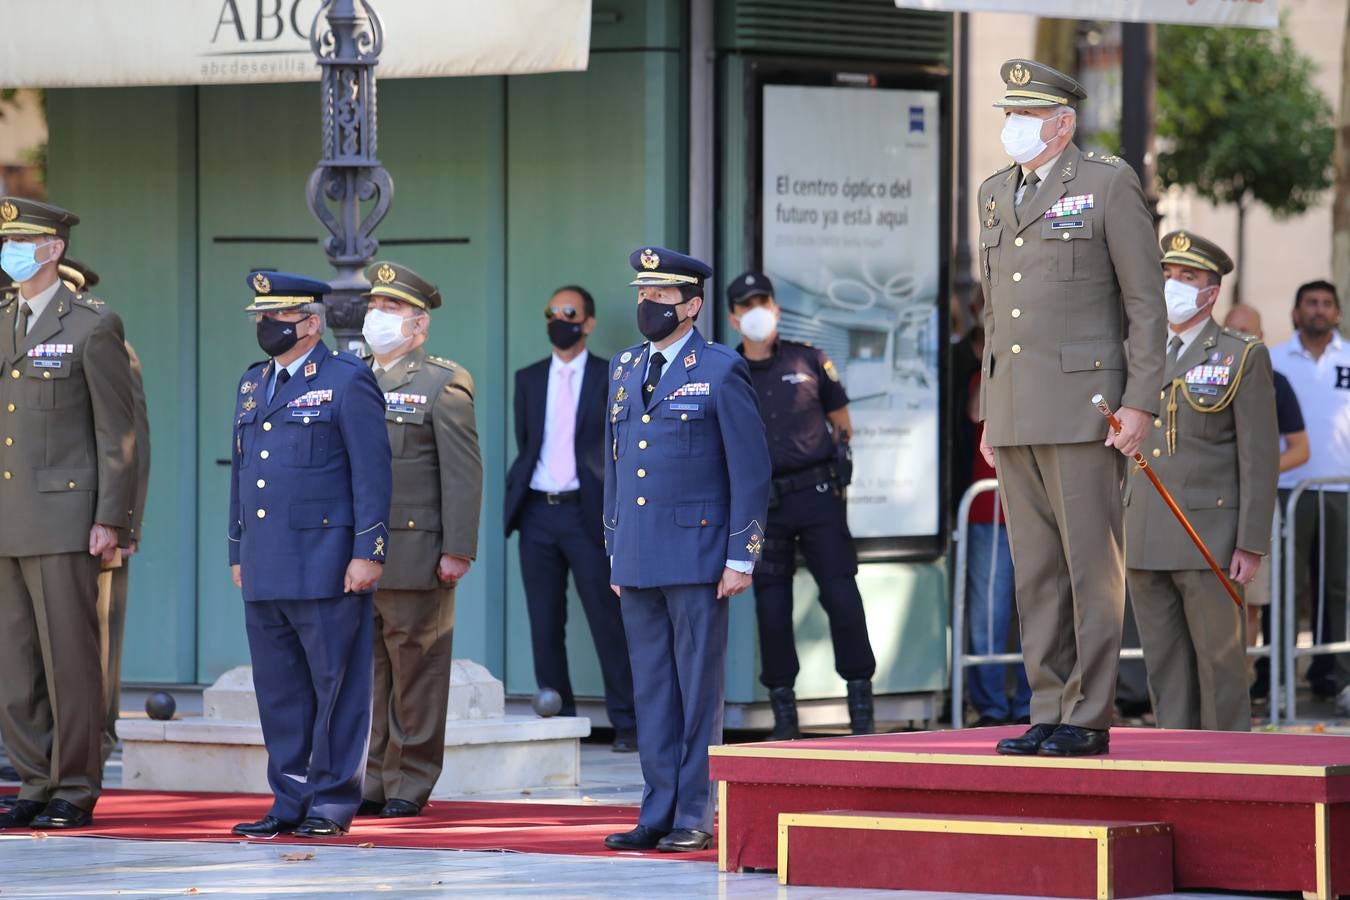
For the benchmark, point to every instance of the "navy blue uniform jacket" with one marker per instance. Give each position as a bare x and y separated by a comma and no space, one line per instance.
686,475
310,477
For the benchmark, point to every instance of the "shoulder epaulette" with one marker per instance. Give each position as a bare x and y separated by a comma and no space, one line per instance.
350,359
89,301
1109,159
443,362
1240,335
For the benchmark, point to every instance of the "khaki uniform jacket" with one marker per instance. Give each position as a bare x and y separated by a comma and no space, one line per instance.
438,473
67,414
1063,296
142,419
1224,463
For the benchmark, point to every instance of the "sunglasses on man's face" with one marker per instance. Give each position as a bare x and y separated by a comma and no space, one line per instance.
570,313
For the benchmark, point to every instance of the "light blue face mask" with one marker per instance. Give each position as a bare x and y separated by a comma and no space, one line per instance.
19,260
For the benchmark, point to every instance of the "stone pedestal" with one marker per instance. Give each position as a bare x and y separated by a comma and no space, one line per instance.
222,750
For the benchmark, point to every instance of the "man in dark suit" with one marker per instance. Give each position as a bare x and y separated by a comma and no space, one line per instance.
310,488
554,495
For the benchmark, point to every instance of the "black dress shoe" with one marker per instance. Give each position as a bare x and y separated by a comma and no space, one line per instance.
400,809
316,827
59,815
640,838
266,827
370,808
1070,740
684,840
624,742
21,813
1027,743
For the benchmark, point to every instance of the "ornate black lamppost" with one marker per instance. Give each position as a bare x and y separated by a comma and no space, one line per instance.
349,192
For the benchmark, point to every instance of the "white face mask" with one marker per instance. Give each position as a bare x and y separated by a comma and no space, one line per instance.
383,331
1022,137
758,324
1183,301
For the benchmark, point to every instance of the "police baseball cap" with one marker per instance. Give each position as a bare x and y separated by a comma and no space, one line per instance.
747,285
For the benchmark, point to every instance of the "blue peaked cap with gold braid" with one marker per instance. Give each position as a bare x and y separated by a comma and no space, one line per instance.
659,267
274,291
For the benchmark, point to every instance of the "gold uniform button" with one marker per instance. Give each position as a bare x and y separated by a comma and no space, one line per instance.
8,476
1017,276
684,417
265,453
398,419
646,418
642,501
642,473
412,524
325,520
1019,242
1156,453
10,407
1157,423
9,442
13,373
702,522
305,420
1017,314
1162,395
1066,235
267,426
642,445
1219,502
46,374
1017,348
1096,364
262,482
262,513
71,485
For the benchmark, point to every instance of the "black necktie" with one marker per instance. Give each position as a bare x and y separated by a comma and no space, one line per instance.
283,376
1173,350
658,362
21,328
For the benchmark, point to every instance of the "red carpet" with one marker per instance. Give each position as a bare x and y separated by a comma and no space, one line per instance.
515,827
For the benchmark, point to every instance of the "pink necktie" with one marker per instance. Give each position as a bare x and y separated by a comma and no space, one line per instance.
562,461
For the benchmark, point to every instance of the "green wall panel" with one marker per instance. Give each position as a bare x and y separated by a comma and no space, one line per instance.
596,164
123,160
636,24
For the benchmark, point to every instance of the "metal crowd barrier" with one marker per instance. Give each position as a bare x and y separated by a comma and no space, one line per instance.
961,660
1290,650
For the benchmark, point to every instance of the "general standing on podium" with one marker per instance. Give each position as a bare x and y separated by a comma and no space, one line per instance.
310,485
686,488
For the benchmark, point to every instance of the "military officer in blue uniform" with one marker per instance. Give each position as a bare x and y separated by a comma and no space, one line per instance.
686,487
310,484
806,419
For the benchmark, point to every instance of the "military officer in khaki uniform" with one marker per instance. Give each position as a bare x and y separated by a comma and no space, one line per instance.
1069,264
438,489
113,580
1216,447
68,492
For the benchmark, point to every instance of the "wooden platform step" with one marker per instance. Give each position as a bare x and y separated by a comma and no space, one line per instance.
974,854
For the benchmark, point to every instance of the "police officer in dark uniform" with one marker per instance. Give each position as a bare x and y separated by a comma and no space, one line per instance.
310,486
806,417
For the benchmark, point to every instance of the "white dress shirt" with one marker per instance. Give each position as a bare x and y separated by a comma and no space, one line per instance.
1322,386
39,303
543,480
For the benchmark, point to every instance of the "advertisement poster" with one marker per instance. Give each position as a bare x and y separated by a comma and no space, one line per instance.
850,237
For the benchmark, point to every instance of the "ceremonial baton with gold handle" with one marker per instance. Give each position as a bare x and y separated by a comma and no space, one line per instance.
1105,410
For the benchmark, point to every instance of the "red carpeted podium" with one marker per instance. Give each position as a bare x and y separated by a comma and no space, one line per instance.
1245,812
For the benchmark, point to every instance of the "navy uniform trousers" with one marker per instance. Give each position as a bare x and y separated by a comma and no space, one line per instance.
313,663
554,539
819,521
680,694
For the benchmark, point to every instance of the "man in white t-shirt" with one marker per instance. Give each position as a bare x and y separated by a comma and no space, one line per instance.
1316,360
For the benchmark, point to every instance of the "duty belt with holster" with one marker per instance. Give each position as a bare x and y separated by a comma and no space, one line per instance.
836,473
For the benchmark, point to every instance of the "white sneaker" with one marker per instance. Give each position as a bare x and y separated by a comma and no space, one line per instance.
1343,701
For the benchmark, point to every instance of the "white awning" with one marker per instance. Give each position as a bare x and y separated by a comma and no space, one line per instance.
1231,13
93,43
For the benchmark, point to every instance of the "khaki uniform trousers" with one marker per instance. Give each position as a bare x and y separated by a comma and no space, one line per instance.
51,678
1195,648
414,632
112,620
1066,529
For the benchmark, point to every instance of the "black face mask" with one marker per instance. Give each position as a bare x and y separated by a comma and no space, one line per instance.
656,321
276,337
563,334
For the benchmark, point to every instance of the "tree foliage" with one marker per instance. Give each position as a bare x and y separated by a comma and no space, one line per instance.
1241,119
